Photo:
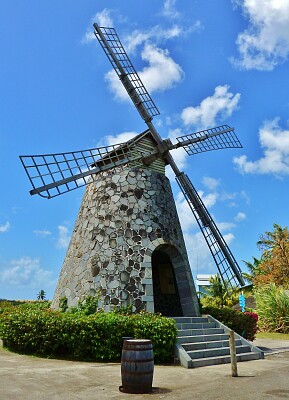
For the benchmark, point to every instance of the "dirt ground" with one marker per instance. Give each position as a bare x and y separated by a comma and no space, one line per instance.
29,378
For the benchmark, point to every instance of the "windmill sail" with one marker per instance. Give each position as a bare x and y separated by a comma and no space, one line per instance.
122,65
220,137
227,266
54,174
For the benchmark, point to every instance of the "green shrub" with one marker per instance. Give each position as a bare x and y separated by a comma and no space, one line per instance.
63,304
160,330
245,324
42,331
89,305
273,308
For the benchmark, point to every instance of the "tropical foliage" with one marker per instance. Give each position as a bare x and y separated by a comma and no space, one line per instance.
273,308
36,329
245,324
253,270
219,294
274,265
270,278
41,295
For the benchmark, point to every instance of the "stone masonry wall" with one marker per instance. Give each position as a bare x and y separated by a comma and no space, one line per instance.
124,216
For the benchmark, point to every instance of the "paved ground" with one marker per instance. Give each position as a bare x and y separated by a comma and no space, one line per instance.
272,346
28,378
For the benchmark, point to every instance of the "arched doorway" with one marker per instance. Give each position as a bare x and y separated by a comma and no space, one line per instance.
165,288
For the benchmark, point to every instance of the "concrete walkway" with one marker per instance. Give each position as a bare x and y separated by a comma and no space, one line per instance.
272,346
29,378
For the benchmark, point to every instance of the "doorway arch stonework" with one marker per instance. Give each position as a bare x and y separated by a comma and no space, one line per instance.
182,275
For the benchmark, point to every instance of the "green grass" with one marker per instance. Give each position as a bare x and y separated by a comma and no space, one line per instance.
272,335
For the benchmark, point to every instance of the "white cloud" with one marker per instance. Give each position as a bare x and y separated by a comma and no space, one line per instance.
265,43
102,18
275,144
245,196
240,216
169,9
116,87
229,237
5,227
156,33
225,226
218,106
43,232
121,138
152,76
210,183
209,199
198,250
63,237
179,155
185,214
26,271
200,257
159,61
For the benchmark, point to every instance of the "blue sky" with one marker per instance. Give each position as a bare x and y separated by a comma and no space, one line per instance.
204,62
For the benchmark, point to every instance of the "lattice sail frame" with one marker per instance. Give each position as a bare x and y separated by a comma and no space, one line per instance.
122,65
220,137
222,255
54,174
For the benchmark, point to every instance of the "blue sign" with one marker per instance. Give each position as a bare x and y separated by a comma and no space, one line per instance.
242,302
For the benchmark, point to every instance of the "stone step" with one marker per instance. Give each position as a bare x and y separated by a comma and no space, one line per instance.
190,319
209,345
217,352
195,325
205,341
203,362
202,338
196,332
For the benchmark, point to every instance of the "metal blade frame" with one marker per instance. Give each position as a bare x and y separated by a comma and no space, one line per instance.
53,174
220,137
226,263
122,65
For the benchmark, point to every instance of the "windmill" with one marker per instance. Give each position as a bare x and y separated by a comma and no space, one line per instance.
124,243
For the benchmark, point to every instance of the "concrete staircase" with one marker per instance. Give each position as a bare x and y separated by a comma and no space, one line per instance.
204,341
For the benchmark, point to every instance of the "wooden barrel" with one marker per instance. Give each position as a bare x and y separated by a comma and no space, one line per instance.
137,366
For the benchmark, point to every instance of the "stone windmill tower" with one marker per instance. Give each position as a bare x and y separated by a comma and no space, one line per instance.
127,245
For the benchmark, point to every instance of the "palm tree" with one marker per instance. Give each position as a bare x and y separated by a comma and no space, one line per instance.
41,295
271,240
219,293
253,270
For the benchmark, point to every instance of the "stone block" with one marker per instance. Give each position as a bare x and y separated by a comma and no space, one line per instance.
150,306
149,291
147,281
148,298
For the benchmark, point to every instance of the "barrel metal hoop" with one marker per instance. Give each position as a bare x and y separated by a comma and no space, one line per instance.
137,361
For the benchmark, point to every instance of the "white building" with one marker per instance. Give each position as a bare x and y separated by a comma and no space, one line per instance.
203,283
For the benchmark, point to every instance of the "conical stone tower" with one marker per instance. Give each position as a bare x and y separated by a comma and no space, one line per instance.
127,245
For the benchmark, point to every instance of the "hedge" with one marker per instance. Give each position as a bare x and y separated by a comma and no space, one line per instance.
34,329
245,324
